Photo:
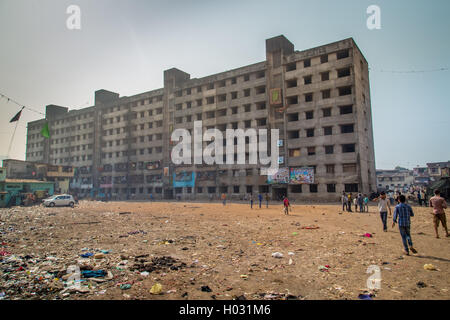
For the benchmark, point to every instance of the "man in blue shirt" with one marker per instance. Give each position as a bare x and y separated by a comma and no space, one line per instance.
403,213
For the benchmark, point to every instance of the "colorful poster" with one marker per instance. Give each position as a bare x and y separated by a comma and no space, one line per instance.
282,176
303,175
183,179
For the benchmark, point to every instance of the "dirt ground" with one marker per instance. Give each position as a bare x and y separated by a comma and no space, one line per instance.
226,248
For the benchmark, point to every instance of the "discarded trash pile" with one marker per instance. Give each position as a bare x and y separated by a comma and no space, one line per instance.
156,264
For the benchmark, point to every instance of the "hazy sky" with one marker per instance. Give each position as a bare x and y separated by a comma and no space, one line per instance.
124,46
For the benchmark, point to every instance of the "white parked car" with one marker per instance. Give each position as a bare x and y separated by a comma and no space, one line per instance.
59,200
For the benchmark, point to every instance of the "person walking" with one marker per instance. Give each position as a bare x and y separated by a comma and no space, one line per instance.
224,199
260,198
286,205
438,204
419,198
425,198
403,213
344,201
267,200
383,206
251,200
355,203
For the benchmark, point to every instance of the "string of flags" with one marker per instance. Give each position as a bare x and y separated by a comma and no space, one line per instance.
45,130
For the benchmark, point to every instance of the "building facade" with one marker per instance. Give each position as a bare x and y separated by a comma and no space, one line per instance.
319,99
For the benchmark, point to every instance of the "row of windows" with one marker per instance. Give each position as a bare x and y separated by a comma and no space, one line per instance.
71,149
329,149
35,154
133,152
324,76
325,94
327,131
306,63
72,159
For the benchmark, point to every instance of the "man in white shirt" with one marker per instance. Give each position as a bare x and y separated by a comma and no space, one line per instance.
383,206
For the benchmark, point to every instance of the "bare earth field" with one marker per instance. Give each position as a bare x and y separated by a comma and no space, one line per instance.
229,249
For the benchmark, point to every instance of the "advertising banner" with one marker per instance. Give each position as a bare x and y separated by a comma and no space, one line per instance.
183,179
303,175
282,176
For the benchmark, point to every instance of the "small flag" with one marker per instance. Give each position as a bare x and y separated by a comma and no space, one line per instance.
16,117
45,132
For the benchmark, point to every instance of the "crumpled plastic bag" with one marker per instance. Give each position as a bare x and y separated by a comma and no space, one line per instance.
156,289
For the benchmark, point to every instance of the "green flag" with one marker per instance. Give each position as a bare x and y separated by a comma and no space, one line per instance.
45,132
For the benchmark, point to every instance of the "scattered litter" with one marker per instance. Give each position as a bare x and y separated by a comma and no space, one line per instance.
86,255
310,228
365,297
156,289
421,284
277,255
206,289
429,267
125,286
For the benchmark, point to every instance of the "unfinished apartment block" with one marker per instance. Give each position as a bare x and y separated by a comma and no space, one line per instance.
319,99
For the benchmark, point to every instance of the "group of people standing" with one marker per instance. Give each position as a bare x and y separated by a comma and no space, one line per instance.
361,201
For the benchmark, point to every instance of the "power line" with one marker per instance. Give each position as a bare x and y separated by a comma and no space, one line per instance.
20,104
410,71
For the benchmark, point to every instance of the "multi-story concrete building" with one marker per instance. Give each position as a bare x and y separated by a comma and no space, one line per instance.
319,99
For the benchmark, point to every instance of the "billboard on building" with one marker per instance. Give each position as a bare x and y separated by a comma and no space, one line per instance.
183,179
282,176
304,175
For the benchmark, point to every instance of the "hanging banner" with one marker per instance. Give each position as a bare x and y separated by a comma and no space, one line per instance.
183,179
275,97
303,175
282,176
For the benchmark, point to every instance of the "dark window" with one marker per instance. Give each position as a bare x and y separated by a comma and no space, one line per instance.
211,189
291,66
329,149
346,148
346,109
326,94
310,133
292,100
291,83
343,72
311,151
309,115
249,189
347,128
325,76
308,97
307,63
236,189
324,58
327,131
342,54
351,187
199,190
296,188
330,168
313,188
292,117
307,79
326,112
331,187
293,134
344,91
